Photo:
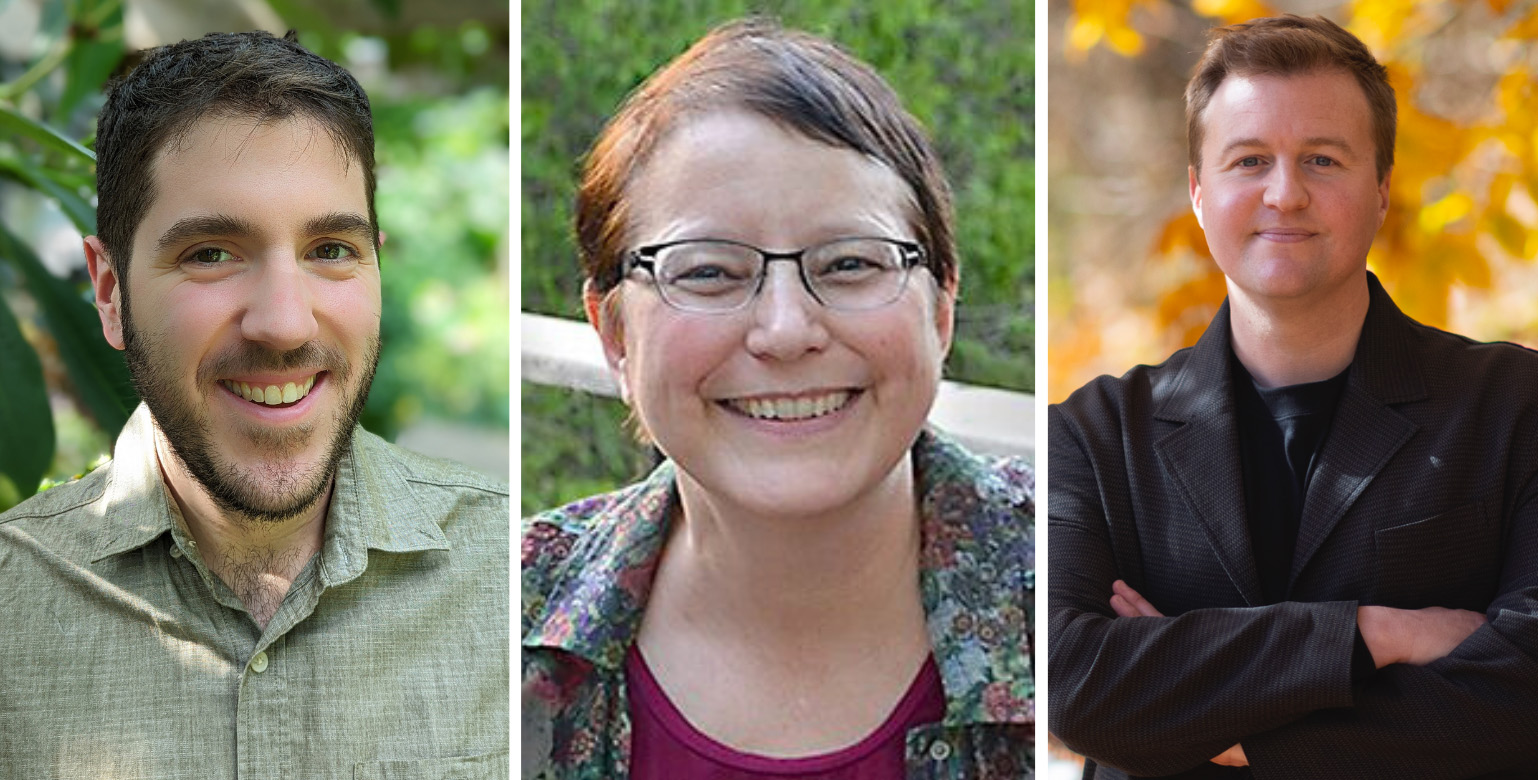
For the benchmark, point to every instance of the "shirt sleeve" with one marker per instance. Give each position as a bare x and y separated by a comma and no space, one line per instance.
1472,712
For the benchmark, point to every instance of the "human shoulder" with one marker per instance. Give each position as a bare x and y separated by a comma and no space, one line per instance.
600,536
979,509
1107,400
946,465
442,488
66,515
427,470
1466,361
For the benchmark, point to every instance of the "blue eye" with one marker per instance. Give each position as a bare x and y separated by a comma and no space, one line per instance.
850,264
1249,162
1323,161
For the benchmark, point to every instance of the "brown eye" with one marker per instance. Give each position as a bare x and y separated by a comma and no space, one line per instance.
334,252
210,255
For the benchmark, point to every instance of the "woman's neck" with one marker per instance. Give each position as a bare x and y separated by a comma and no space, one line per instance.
849,570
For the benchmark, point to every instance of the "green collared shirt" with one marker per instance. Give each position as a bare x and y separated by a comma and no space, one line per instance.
123,656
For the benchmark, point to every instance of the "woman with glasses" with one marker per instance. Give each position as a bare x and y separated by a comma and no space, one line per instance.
812,584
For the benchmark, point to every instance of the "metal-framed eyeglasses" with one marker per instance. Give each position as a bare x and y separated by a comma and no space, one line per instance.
717,276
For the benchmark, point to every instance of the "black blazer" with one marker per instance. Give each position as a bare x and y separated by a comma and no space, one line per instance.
1425,493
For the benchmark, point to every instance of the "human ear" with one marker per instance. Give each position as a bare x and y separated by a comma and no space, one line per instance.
603,314
105,286
945,317
1195,185
1383,196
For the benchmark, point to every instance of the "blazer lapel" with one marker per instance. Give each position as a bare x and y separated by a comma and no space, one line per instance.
1202,455
1366,431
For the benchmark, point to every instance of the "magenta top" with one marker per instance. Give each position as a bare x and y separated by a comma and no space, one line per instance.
663,744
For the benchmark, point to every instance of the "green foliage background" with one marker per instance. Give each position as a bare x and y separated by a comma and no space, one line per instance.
964,68
441,110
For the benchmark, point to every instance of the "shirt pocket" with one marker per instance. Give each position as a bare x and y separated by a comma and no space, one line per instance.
1450,560
490,766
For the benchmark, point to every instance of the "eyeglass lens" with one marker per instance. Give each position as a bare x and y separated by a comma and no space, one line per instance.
719,276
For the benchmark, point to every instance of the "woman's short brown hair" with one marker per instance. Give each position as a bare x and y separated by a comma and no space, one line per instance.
793,78
1289,45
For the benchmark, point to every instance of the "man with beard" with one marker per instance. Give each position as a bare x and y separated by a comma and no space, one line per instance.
253,586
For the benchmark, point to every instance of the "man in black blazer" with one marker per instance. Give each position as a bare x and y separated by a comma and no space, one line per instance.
1306,547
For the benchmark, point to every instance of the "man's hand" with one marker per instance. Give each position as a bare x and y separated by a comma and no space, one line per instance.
1414,636
1233,756
1129,603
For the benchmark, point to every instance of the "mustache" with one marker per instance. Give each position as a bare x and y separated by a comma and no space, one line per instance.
249,358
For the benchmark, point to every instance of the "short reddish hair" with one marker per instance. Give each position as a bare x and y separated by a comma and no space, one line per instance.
793,78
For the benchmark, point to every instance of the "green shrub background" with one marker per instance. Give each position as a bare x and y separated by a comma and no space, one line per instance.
965,69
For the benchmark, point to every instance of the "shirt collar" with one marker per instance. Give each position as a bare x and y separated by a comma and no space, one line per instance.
137,508
371,509
975,576
366,510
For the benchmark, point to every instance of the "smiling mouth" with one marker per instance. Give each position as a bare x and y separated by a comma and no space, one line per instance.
787,409
271,395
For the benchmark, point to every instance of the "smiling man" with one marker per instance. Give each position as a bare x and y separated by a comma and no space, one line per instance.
254,586
1306,547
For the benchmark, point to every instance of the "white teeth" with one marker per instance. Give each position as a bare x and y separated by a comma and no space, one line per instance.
804,408
271,395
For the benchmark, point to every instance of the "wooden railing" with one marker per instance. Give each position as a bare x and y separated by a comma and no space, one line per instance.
566,353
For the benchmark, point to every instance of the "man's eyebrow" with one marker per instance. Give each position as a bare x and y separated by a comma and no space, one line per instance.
341,223
1328,140
205,226
1313,141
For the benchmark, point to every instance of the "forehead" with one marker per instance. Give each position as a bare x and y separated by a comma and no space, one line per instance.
272,174
737,171
1318,103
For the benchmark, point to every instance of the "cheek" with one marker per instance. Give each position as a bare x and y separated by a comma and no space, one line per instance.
184,318
907,348
354,306
668,360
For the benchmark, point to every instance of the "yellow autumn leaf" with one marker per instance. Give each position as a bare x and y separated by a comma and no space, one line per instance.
1125,41
1232,11
1525,28
1508,232
1084,33
1438,216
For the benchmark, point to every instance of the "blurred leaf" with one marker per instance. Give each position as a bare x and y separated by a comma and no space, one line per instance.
301,16
96,52
78,209
12,121
1509,232
25,418
390,8
99,374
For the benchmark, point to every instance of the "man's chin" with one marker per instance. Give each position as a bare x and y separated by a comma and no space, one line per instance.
269,490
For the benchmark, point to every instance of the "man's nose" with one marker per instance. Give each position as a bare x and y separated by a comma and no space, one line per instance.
280,306
1287,189
787,320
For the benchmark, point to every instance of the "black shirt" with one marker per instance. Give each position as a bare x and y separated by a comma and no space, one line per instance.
1281,430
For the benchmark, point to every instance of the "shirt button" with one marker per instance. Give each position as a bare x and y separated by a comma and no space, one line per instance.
939,750
176,552
259,663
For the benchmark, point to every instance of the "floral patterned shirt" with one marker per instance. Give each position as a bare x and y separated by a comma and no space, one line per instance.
588,569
